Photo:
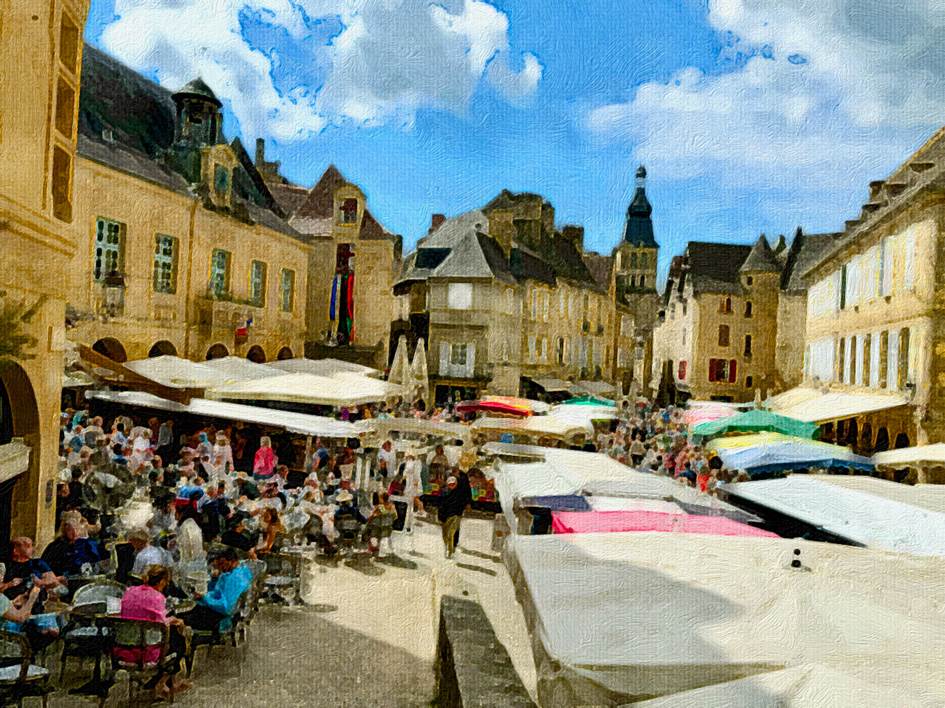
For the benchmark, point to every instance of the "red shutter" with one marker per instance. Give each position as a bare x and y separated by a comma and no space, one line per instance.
682,371
732,371
711,370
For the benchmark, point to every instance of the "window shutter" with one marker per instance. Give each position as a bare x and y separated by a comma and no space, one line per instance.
444,358
732,370
470,359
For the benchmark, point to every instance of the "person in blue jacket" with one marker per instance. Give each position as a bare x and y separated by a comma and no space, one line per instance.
214,610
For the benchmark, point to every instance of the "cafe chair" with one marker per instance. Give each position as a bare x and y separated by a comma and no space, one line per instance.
19,676
83,636
219,637
138,637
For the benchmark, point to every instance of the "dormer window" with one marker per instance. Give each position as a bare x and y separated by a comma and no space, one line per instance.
349,211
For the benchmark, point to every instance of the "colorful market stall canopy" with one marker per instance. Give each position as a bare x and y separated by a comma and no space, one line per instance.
342,389
914,457
756,421
815,406
563,522
666,613
773,452
597,401
702,411
300,423
859,516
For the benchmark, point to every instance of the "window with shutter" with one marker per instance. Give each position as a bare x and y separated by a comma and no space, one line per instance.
732,371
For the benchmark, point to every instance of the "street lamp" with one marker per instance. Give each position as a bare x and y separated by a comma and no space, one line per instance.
114,286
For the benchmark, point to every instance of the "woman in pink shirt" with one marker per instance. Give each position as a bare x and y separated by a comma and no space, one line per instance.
147,602
264,464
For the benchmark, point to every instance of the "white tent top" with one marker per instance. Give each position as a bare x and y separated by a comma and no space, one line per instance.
301,423
919,456
514,450
552,385
810,685
236,368
926,496
583,414
534,426
383,427
342,389
855,514
595,388
813,406
650,614
174,372
321,367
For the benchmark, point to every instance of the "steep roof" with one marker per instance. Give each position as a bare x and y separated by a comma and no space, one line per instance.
761,259
805,251
199,89
638,229
127,122
289,196
600,267
320,203
714,267
371,228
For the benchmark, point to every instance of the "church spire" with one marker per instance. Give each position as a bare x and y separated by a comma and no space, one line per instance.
639,227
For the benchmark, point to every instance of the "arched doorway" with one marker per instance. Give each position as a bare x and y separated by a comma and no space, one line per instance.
866,439
852,433
217,351
902,440
19,418
256,354
112,348
162,348
285,353
882,441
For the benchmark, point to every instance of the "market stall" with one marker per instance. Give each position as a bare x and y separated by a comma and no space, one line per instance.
756,421
644,520
764,453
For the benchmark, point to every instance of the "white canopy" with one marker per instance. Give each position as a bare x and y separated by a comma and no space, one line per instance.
535,426
595,388
854,514
383,427
342,389
174,372
236,368
321,367
583,414
301,423
919,456
814,406
552,385
925,496
630,616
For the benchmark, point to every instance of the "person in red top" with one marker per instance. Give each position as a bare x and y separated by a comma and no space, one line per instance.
264,464
147,602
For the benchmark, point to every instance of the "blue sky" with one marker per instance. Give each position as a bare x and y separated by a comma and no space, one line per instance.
750,117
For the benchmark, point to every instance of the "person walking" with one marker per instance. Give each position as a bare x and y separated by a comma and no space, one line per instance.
413,488
450,513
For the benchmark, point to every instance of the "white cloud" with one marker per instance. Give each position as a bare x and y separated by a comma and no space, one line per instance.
848,89
388,59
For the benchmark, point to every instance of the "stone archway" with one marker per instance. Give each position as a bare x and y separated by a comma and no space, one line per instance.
162,348
217,351
902,440
20,419
256,354
112,348
882,440
285,353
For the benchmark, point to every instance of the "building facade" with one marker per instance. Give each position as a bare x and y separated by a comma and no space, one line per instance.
38,127
729,311
181,248
874,324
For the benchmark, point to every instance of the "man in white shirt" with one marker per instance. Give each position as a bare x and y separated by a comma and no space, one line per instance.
146,555
388,456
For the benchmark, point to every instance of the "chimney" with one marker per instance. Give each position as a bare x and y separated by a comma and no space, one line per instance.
260,151
876,186
436,221
574,234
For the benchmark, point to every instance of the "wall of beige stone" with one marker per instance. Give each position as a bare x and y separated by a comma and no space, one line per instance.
789,351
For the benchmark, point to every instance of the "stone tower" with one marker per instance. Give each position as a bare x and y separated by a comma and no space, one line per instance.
635,257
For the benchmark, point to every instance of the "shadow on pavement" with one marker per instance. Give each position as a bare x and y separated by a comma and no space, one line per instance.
477,568
397,562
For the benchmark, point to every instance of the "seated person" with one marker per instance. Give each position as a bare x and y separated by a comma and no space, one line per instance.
214,611
69,553
22,575
147,602
346,508
146,554
236,535
164,518
270,528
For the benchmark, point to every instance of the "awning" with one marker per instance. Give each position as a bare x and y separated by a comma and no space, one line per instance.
551,385
925,496
772,452
596,401
857,515
755,421
342,389
301,423
236,368
322,367
915,457
175,372
595,388
514,451
383,427
563,522
813,406
535,426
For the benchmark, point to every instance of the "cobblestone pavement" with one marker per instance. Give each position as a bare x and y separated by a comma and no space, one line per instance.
366,635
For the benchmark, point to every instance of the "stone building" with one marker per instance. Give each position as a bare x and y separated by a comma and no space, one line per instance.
352,265
874,321
181,247
41,43
727,318
505,300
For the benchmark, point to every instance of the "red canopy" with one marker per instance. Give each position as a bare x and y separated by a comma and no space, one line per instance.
617,521
499,407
